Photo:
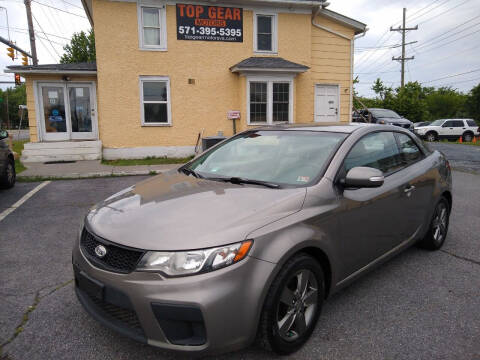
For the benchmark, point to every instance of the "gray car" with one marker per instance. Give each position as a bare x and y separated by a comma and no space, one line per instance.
7,163
246,241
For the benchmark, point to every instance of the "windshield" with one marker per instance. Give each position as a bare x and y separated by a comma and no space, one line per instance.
281,157
384,113
437,123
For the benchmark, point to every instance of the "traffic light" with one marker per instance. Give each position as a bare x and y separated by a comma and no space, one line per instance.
17,80
24,60
11,53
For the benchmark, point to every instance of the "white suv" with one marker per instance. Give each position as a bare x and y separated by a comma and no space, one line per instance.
451,129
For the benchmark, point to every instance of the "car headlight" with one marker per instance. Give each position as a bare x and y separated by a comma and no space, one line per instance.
181,263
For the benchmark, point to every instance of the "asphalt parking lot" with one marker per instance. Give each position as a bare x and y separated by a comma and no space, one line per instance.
420,305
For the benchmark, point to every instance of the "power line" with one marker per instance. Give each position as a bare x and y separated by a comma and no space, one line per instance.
428,11
53,7
448,10
75,6
448,42
40,26
450,76
436,41
23,30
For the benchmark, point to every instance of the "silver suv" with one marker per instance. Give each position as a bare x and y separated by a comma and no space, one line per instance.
451,129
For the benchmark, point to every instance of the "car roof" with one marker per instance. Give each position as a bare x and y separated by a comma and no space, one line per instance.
340,128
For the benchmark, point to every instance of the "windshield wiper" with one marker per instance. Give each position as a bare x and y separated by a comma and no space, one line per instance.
239,180
188,171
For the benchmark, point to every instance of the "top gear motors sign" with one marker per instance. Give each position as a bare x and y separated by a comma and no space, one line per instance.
209,23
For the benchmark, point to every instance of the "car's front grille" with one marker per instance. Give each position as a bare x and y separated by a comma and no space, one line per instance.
118,258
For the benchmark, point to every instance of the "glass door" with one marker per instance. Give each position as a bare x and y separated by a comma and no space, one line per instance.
81,111
53,114
68,111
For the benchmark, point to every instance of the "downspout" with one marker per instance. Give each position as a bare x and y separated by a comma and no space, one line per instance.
314,15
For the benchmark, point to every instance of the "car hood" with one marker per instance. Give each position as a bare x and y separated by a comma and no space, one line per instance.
173,211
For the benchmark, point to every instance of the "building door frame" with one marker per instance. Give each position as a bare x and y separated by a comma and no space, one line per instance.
315,112
68,135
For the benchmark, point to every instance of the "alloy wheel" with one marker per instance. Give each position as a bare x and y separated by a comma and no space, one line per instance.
467,138
440,223
430,137
297,305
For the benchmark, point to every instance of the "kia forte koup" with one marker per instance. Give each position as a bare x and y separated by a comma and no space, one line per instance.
245,242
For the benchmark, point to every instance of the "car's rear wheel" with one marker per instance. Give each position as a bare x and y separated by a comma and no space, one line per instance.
437,232
431,136
8,176
467,137
292,305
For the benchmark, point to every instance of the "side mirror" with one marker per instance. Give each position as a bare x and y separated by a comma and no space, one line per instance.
364,177
3,134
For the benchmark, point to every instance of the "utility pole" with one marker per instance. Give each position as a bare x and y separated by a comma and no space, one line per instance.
403,29
31,33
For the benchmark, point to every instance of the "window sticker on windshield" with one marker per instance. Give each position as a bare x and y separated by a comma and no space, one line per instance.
303,179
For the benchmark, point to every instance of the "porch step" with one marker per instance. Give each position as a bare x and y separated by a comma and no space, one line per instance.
62,151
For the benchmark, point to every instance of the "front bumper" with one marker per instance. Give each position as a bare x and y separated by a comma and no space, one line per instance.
225,303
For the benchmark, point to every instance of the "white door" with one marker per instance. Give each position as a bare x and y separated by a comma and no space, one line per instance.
327,103
67,111
81,111
54,124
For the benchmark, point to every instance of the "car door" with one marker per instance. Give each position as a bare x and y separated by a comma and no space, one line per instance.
418,182
448,130
370,219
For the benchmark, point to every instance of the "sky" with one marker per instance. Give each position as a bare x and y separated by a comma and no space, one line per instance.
447,39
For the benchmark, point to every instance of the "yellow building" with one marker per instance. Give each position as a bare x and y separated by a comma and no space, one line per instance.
168,71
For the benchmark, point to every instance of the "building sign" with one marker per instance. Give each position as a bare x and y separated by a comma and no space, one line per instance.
233,115
209,23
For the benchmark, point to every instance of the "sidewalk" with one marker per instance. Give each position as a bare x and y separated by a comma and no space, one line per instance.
91,168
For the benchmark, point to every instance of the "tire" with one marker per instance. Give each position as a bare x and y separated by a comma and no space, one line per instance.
431,136
284,305
436,234
8,175
467,137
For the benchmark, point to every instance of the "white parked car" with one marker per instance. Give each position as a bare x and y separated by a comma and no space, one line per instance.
451,129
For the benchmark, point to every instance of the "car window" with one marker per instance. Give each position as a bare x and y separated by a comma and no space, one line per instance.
458,123
471,123
448,124
283,157
408,149
377,150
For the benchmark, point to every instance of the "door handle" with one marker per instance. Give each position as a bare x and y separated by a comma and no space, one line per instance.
409,189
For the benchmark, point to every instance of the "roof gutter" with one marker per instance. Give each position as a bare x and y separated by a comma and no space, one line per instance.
59,72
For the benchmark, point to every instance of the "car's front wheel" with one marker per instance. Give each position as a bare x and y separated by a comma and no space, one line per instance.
8,176
437,232
292,305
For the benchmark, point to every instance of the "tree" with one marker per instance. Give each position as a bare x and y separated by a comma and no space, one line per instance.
80,49
472,103
16,96
380,89
446,102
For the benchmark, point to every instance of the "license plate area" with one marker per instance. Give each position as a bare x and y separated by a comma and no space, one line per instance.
91,286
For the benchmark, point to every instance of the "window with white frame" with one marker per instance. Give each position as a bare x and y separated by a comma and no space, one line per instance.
152,28
155,101
265,33
270,101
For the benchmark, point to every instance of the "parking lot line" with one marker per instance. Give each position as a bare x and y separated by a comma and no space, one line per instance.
19,203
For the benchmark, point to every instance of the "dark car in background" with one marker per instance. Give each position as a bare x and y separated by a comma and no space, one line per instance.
383,117
7,163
